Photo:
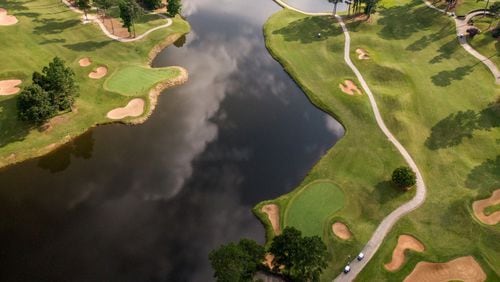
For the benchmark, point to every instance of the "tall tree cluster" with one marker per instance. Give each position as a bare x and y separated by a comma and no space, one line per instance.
51,91
297,258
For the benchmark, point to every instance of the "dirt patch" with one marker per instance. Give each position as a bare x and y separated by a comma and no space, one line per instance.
341,230
362,54
405,242
463,269
134,108
6,19
349,87
84,62
98,73
479,206
273,213
115,27
9,87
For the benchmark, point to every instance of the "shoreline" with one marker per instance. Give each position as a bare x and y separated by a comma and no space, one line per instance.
152,99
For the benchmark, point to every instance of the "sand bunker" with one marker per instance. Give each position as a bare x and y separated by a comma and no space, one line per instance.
6,19
405,242
349,87
84,62
479,206
9,87
362,54
100,72
134,108
273,213
341,230
462,269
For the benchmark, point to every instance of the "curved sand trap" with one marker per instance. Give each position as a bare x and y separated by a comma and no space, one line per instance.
405,242
341,230
9,87
84,62
273,213
134,108
100,72
6,19
362,54
349,87
462,269
479,206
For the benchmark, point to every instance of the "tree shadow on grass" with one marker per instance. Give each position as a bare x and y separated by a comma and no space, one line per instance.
386,191
59,160
444,78
426,40
52,26
454,128
306,30
11,130
446,51
53,41
400,22
87,46
485,176
28,14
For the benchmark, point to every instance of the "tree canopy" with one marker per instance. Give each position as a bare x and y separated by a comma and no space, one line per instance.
404,177
51,91
237,262
129,12
300,258
174,7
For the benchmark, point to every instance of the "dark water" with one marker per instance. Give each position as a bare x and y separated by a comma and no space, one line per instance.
148,203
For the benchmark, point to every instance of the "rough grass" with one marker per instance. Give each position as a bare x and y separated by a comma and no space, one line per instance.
132,80
439,102
320,200
47,28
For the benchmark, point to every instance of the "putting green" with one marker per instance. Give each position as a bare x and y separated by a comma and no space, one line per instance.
134,80
309,210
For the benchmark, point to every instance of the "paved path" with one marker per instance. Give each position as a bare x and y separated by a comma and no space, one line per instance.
94,18
461,27
385,226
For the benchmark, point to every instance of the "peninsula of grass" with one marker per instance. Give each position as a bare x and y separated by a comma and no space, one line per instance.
439,101
47,28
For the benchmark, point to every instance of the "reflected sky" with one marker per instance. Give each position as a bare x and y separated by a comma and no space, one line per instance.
149,202
316,6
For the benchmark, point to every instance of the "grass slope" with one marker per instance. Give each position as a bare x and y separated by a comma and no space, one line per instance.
48,28
439,102
361,163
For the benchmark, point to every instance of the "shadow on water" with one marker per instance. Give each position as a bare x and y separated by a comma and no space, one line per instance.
59,160
306,30
454,128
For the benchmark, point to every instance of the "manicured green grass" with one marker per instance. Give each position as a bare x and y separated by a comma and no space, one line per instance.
310,209
132,80
48,28
484,42
439,102
465,6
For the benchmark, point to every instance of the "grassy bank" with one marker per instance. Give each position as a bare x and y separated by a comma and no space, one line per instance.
438,101
47,28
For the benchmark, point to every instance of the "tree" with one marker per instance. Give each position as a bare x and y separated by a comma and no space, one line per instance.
59,81
237,262
104,5
34,105
335,2
404,177
129,12
151,4
301,258
83,5
495,10
370,7
174,7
